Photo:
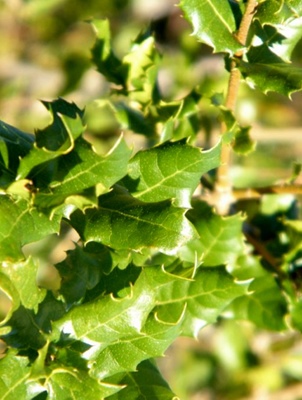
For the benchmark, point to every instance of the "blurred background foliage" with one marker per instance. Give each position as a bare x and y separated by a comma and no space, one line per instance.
45,53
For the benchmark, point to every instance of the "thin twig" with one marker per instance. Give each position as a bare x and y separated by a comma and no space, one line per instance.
223,184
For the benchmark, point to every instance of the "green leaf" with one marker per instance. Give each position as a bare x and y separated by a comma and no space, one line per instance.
171,170
281,78
120,330
221,239
141,66
213,23
23,276
277,42
110,318
7,287
204,298
146,381
124,354
264,306
57,139
68,383
14,378
21,224
295,315
79,272
14,144
278,12
103,56
83,169
25,333
125,223
239,135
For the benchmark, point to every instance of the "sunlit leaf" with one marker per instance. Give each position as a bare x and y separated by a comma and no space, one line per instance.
205,298
102,54
14,378
20,224
23,276
281,78
146,381
265,305
213,23
84,168
56,139
172,170
123,222
220,241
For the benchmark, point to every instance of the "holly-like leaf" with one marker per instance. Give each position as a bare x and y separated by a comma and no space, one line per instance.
125,223
83,169
56,139
23,276
109,318
265,305
14,144
124,354
275,12
213,23
24,332
15,380
171,170
20,224
68,383
281,77
103,56
237,134
141,66
79,272
277,42
221,240
204,297
120,331
146,381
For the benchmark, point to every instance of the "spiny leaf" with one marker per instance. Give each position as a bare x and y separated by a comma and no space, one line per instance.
68,383
20,224
80,271
221,240
124,354
171,170
82,169
146,381
24,332
14,378
125,223
23,276
141,66
277,42
56,139
238,135
278,12
213,23
282,78
265,305
14,144
103,56
108,318
205,297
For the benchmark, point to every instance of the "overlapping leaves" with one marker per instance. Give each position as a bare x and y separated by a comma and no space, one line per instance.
218,31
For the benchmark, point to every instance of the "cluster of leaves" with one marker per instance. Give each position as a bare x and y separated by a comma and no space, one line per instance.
153,262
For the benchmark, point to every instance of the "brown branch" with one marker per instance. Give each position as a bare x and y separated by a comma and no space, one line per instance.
263,252
223,183
256,193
